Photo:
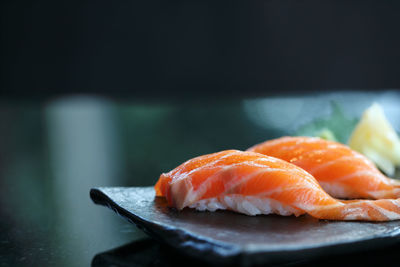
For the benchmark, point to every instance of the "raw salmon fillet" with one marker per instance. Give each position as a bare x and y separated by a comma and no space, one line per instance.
252,183
341,171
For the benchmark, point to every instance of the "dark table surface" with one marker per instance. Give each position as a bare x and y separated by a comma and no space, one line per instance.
52,153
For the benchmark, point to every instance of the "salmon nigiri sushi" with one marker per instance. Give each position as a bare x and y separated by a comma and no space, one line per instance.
252,183
341,171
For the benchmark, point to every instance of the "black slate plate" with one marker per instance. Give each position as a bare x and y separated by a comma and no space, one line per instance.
225,237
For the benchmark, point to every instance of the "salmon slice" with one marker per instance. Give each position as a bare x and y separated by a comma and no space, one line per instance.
252,183
341,171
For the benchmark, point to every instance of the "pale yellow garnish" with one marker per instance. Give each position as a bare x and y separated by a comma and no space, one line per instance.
375,137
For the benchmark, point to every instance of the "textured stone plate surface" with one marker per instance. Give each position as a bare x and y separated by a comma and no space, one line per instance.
225,237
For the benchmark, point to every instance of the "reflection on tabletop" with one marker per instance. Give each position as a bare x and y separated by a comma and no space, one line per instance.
149,252
144,252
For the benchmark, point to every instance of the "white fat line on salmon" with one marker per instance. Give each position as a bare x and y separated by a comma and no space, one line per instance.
268,159
337,190
191,195
359,173
388,214
210,165
214,162
280,190
332,162
306,174
355,213
238,182
309,208
250,164
235,181
229,168
378,194
293,169
236,152
395,202
202,189
179,199
207,183
394,182
334,146
388,205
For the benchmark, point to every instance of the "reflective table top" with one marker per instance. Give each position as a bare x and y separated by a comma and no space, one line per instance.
53,152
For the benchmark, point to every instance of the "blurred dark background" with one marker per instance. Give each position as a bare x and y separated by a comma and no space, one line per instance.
168,48
112,93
